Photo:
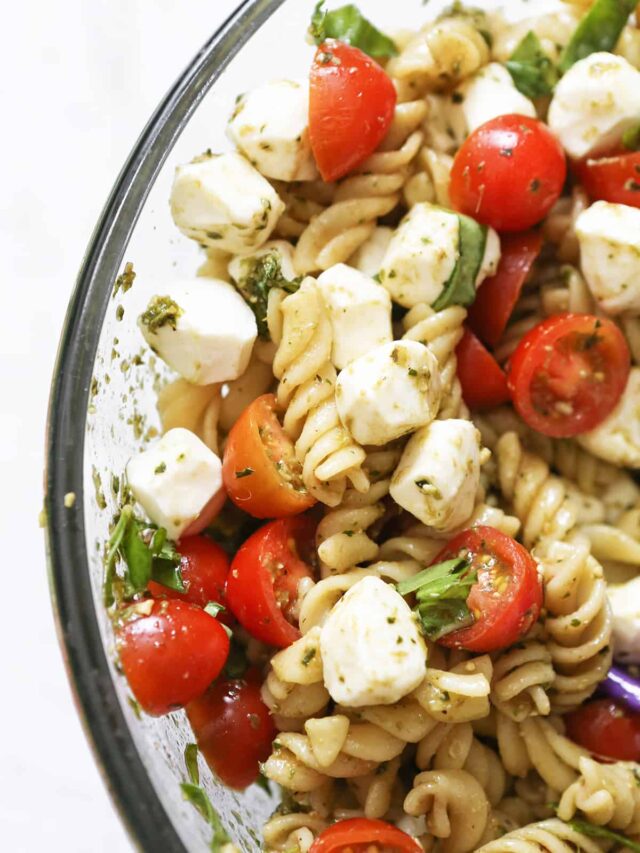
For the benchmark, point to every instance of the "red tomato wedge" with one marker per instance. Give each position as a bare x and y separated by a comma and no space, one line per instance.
351,106
508,173
262,587
507,597
260,471
606,728
497,297
170,652
233,728
568,373
615,178
483,381
359,834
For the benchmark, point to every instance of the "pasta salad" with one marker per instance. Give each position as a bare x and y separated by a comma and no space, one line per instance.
385,553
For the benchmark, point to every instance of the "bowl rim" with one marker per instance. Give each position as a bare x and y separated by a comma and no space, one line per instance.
104,723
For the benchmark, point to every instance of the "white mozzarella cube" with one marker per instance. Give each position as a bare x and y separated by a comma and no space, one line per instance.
241,267
609,236
372,650
489,93
270,125
625,604
594,103
176,481
359,310
392,390
368,258
202,328
617,438
438,474
221,201
491,257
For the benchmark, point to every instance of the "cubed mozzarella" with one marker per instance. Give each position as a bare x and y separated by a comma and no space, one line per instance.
359,310
221,201
368,258
177,481
241,266
625,604
270,125
594,103
491,257
490,92
617,439
202,328
609,236
372,651
438,474
392,390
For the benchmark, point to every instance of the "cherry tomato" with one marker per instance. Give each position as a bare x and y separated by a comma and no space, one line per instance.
358,834
507,598
351,105
170,652
606,728
260,471
233,728
262,586
568,373
508,173
615,178
483,381
496,298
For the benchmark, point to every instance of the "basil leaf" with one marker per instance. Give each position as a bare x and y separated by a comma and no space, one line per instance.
199,799
138,557
432,573
602,832
348,24
259,276
631,138
443,617
237,663
460,289
113,547
168,574
531,69
213,608
191,762
599,30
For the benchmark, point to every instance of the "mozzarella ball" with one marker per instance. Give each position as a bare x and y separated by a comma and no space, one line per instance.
617,438
625,605
241,266
489,93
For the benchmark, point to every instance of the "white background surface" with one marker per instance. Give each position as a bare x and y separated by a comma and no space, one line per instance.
78,80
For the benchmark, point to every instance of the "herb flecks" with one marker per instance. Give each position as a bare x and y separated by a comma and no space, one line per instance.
259,276
199,799
161,311
124,281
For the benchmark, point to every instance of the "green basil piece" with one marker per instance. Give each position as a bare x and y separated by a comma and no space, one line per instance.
199,799
191,763
599,30
138,557
531,69
593,831
348,24
631,138
460,289
260,276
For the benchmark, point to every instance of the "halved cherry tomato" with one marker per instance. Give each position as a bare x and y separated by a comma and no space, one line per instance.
233,728
351,105
483,381
606,728
507,597
568,373
615,178
262,586
170,652
359,834
496,298
508,173
260,471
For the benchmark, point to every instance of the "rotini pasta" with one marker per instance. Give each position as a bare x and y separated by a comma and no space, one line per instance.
606,794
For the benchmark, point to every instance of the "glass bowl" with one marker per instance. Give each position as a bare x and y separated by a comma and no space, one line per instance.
102,410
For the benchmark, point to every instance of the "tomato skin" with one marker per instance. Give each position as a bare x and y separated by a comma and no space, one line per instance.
497,297
506,614
606,728
351,105
358,833
255,444
555,363
233,729
263,582
483,381
508,173
170,653
615,178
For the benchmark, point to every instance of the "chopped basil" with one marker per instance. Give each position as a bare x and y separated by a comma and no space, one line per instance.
259,276
124,281
213,608
460,289
263,782
533,72
199,799
602,832
237,663
191,762
631,138
161,311
599,30
348,24
246,472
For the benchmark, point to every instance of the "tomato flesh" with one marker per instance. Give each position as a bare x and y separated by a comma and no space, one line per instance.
358,834
351,106
507,597
170,652
260,471
233,729
606,728
615,178
262,586
568,373
508,173
483,381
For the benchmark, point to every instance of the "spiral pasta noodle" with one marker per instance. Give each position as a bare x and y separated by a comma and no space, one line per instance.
559,227
547,836
606,794
192,407
521,678
295,831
